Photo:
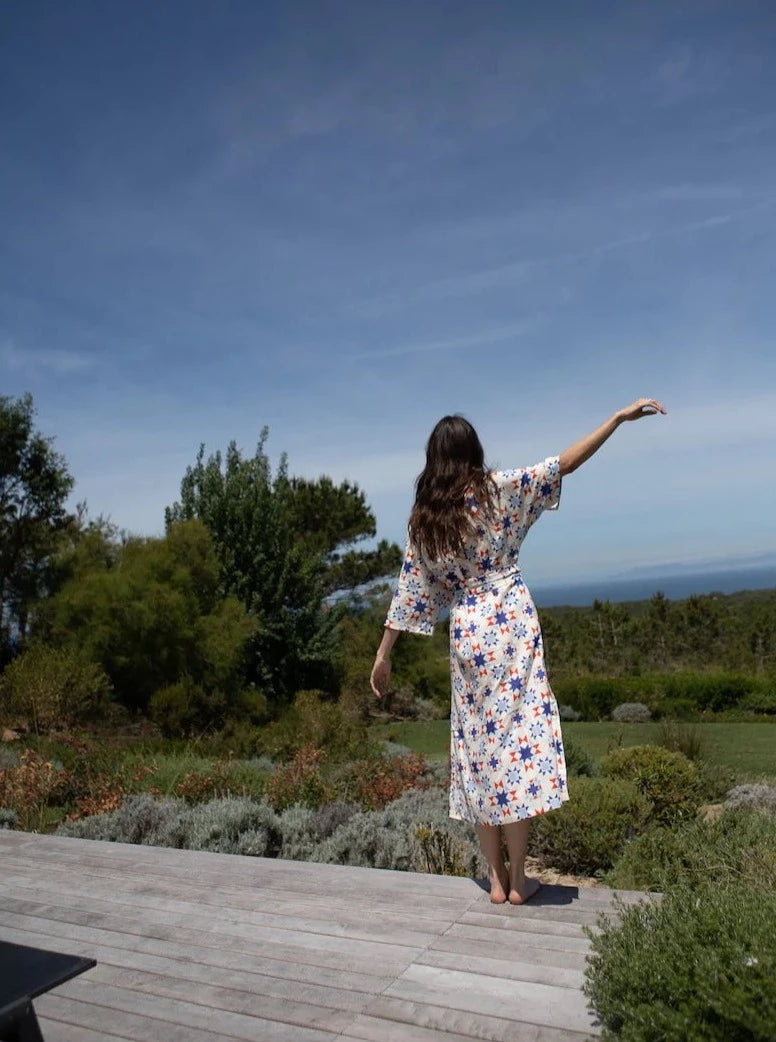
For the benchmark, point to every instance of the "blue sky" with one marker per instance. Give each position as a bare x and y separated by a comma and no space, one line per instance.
344,220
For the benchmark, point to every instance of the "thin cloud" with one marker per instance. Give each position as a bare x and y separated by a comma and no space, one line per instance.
492,336
28,360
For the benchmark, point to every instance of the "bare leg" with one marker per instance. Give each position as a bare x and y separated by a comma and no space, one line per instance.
521,887
490,841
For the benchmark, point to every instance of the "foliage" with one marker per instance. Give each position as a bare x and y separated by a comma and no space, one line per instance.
157,619
695,966
34,486
387,838
631,713
227,826
278,541
736,847
226,777
660,636
320,722
300,781
760,701
29,788
588,833
752,797
49,686
569,713
376,781
681,738
303,828
577,760
443,851
667,779
9,819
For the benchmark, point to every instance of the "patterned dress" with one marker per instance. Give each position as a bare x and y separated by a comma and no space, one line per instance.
506,748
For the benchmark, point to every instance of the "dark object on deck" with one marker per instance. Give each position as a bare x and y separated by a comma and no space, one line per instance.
26,973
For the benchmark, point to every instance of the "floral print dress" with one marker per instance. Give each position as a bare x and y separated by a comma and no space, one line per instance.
506,750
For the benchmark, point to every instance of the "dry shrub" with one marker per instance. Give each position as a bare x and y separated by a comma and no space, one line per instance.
300,781
377,781
30,787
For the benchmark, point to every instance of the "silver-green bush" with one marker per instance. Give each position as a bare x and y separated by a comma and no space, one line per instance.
632,713
752,797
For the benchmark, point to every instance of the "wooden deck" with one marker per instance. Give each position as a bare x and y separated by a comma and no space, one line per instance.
195,946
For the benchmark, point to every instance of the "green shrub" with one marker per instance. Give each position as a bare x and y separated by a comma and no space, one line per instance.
588,833
51,687
677,709
667,779
714,780
593,697
315,721
185,708
760,701
697,966
737,846
714,691
578,761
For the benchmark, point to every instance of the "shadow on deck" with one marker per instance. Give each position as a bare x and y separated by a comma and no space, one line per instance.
197,946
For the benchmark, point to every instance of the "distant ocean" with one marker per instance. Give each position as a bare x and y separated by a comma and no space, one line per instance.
640,588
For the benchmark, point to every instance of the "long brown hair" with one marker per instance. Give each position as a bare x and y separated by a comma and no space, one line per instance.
455,469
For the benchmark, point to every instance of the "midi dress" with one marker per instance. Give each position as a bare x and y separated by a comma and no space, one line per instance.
506,749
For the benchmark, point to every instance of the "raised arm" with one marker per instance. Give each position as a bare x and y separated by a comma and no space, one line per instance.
582,450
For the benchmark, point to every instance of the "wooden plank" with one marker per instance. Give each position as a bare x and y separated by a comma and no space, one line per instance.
526,951
252,1001
240,867
463,1022
380,928
354,957
513,940
503,969
520,923
58,1031
194,1015
428,903
140,1027
375,1029
215,931
182,892
213,964
528,1001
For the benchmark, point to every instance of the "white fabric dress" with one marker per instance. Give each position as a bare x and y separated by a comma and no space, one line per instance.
506,747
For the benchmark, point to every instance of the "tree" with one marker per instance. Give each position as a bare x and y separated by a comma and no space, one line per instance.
279,541
34,486
155,617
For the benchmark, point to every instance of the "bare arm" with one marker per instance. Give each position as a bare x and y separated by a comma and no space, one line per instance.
381,671
582,450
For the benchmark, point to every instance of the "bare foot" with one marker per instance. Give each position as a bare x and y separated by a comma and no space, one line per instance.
522,892
498,888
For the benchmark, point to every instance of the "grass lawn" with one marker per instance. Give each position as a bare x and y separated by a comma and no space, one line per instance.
749,749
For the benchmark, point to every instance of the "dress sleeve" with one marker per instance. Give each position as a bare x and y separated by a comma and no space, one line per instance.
528,492
419,597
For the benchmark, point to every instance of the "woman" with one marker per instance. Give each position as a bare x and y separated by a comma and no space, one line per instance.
465,532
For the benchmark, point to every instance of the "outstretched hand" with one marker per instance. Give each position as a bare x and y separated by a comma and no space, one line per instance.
641,407
381,675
